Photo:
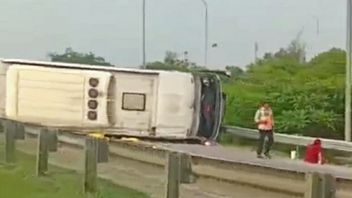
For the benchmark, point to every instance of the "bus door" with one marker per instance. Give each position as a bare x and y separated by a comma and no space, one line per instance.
211,106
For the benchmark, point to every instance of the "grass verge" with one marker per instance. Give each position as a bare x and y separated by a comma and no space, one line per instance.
20,181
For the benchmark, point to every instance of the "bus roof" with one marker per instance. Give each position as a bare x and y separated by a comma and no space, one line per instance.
84,66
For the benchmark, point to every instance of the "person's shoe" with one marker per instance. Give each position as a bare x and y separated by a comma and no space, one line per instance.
267,155
260,156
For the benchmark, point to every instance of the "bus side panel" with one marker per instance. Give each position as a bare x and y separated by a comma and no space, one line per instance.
49,96
135,105
11,94
3,69
176,105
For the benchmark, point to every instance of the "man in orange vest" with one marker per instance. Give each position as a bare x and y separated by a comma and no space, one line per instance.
265,122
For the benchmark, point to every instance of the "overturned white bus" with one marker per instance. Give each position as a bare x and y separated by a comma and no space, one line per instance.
128,101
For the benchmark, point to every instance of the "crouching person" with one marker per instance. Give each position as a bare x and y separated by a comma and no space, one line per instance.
314,153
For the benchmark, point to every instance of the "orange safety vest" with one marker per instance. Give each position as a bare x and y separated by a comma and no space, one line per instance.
264,118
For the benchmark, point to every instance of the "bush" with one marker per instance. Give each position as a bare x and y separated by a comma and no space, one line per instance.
306,98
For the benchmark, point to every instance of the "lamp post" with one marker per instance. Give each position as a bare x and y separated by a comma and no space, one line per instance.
206,34
348,73
143,42
317,24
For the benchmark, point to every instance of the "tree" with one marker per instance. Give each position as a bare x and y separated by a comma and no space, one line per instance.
172,62
307,97
71,56
235,71
296,51
170,58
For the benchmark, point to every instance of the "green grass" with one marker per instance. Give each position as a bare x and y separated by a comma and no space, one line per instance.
19,181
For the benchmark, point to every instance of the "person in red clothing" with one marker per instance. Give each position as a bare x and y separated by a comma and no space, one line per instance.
314,153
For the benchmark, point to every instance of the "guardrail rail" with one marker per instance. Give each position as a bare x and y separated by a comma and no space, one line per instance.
290,139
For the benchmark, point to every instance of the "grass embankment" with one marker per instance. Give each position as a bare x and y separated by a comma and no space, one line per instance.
19,181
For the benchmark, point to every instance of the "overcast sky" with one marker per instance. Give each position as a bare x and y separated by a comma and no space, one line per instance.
112,28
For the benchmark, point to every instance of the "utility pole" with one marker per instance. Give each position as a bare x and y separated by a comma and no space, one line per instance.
318,27
317,24
185,56
256,48
206,34
144,59
348,73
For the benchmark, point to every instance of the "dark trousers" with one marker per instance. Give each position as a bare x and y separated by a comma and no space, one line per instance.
269,143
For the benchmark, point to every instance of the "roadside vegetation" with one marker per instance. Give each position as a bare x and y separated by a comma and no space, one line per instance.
307,96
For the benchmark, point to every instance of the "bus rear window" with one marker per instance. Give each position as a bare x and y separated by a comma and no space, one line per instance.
133,101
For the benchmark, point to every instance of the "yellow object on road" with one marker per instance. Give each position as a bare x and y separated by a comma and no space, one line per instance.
97,135
130,139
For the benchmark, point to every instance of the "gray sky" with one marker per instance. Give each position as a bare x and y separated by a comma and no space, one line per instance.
112,28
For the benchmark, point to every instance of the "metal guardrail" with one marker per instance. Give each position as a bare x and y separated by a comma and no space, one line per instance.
287,139
290,139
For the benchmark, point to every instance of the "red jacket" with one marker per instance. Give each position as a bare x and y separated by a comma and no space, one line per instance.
314,153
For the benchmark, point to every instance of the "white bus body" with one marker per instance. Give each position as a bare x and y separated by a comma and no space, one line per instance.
131,101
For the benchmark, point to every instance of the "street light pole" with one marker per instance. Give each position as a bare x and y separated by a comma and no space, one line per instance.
206,34
318,26
144,58
348,73
317,23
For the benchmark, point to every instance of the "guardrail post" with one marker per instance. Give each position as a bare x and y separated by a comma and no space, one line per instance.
2,125
186,169
313,186
96,151
43,152
173,168
320,186
52,141
103,150
91,163
20,131
328,186
10,141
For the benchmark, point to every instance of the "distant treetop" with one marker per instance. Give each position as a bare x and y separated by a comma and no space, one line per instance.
71,56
